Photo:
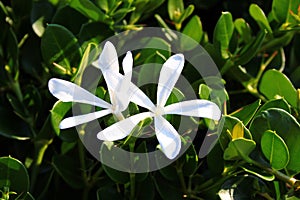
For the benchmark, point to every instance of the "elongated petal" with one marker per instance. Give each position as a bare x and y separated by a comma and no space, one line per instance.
108,59
81,119
167,137
70,92
127,65
122,128
122,90
195,108
137,96
169,75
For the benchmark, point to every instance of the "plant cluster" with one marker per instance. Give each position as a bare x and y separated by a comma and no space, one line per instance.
255,47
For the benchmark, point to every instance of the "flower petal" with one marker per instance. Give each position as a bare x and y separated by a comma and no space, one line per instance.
70,92
122,128
108,59
169,75
167,136
195,108
122,90
81,119
127,64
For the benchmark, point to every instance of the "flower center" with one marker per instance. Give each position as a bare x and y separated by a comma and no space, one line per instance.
159,111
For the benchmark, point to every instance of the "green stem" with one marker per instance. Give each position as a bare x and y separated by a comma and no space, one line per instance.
40,147
181,177
132,186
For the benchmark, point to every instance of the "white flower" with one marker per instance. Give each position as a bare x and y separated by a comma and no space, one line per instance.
167,136
122,91
119,86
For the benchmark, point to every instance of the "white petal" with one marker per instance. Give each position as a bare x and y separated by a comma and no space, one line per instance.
81,119
122,128
122,90
70,92
127,64
195,108
169,75
137,96
108,59
167,137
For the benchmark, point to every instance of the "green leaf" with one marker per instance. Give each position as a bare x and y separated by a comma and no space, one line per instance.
69,169
274,103
243,29
258,172
250,49
175,9
12,126
246,113
286,126
64,15
90,33
13,175
188,11
146,190
259,16
275,84
115,175
189,30
228,124
59,45
238,149
90,10
58,111
41,14
190,160
223,33
281,10
275,150
167,190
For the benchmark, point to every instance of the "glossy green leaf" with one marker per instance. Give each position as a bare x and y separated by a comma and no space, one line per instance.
275,150
238,149
60,46
115,175
190,160
194,31
275,84
90,10
243,29
281,10
187,12
225,131
175,9
40,15
250,50
259,172
143,9
65,14
246,113
286,126
259,16
58,112
89,32
69,169
223,33
274,103
13,175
